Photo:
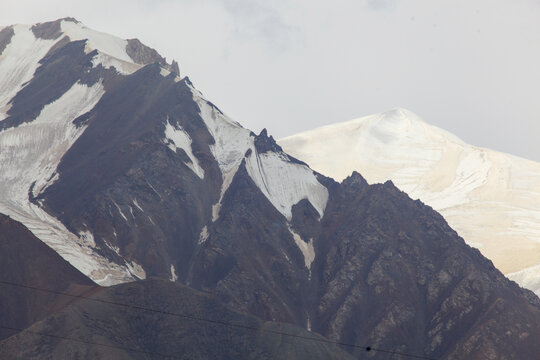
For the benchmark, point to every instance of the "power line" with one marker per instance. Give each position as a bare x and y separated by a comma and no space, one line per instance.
218,322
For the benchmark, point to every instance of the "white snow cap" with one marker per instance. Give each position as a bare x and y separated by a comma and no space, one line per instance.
31,152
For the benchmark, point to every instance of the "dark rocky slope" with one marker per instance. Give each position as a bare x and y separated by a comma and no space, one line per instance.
161,336
24,259
394,274
121,159
388,271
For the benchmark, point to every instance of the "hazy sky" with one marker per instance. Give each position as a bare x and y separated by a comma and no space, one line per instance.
471,67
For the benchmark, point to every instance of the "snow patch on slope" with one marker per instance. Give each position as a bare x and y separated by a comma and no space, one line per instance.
177,138
283,183
136,203
19,62
174,277
227,180
111,49
120,210
528,278
306,248
122,67
108,44
203,236
136,270
88,238
31,153
231,140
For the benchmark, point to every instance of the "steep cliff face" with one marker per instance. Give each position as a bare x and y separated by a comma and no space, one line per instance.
128,172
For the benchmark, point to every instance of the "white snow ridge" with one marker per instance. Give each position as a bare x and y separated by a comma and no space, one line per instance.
111,49
282,182
18,63
285,183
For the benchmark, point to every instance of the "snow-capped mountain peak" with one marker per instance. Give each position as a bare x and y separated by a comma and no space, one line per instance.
57,81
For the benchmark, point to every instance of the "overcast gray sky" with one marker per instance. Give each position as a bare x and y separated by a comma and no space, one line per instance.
471,67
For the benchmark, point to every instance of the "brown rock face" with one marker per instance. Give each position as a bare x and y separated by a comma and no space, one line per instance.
144,55
393,274
388,273
5,37
50,30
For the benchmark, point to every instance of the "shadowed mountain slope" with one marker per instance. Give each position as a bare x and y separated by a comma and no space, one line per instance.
128,333
24,259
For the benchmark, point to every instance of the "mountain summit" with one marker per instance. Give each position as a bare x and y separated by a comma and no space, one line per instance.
126,171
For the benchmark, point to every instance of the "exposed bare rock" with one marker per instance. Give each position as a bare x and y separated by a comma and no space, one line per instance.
144,55
5,37
50,30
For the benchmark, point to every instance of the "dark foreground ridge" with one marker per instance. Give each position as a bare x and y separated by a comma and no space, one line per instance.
101,327
25,259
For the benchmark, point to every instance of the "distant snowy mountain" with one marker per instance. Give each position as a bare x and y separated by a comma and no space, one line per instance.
490,198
